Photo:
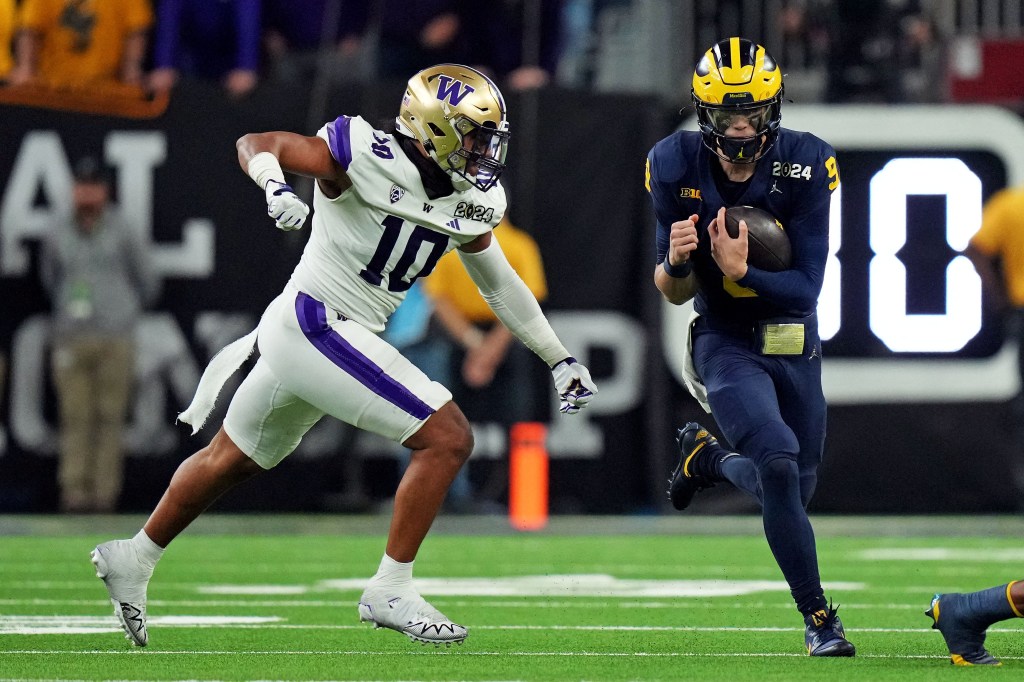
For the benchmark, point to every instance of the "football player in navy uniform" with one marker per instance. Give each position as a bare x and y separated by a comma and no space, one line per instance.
754,356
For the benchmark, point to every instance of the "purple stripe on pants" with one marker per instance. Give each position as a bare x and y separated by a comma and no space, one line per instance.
312,317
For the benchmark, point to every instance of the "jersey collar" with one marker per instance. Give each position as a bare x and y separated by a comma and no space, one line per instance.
436,182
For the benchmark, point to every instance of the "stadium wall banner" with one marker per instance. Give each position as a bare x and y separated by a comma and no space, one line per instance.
178,180
221,261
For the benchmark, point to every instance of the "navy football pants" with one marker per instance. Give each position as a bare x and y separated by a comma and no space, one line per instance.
772,410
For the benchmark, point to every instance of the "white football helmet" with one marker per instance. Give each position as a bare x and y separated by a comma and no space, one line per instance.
458,114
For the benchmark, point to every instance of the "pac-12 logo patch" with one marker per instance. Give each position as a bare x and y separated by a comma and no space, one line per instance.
396,193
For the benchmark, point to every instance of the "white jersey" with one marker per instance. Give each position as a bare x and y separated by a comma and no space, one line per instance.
370,244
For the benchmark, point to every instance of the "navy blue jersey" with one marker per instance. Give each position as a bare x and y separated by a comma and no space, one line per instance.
794,182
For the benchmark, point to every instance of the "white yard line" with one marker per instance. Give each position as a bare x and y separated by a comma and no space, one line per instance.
65,624
583,603
465,652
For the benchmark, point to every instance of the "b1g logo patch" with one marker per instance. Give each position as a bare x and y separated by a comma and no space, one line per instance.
471,212
689,193
785,169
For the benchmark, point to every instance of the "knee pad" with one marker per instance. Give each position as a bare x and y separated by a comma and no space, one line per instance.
779,473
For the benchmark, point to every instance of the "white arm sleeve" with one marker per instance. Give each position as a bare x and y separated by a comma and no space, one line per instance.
513,302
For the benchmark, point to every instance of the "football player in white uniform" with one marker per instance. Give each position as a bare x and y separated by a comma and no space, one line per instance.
387,205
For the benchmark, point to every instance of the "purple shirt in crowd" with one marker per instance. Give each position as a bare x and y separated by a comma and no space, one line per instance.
207,38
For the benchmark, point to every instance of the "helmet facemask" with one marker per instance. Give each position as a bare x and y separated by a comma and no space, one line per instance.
715,120
480,160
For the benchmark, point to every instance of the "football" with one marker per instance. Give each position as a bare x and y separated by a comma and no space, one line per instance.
767,244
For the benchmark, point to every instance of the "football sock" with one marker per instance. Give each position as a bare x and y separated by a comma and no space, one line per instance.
148,551
706,462
810,600
393,572
988,606
739,471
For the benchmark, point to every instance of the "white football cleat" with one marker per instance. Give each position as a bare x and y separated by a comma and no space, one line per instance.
404,610
126,579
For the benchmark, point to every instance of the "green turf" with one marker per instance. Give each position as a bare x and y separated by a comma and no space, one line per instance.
568,635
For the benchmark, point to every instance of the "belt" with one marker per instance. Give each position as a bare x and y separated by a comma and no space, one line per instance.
785,335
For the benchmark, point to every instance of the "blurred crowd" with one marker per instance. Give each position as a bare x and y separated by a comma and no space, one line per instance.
870,50
150,45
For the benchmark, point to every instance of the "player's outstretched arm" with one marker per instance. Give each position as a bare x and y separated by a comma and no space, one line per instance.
266,156
298,154
517,308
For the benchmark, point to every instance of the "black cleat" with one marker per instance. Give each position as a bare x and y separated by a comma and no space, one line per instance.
824,635
685,482
964,639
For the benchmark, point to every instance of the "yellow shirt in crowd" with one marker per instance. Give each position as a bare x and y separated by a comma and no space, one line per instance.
81,41
1002,235
6,36
451,281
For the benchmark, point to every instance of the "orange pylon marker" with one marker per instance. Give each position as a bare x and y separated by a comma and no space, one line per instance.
528,476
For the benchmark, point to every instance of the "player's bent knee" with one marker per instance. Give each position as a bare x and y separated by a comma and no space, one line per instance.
446,432
779,473
224,455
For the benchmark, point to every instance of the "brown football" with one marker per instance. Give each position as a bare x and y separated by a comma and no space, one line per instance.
768,245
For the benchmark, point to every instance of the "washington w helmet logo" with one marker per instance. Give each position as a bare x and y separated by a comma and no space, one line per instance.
452,90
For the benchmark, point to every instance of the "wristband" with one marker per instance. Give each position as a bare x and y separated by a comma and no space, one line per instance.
677,271
263,168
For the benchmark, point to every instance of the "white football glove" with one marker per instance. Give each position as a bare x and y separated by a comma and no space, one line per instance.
574,385
285,206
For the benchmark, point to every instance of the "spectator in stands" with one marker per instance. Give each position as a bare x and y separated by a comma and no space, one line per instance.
517,41
81,44
490,373
870,43
417,33
921,59
7,19
295,31
98,273
218,41
997,252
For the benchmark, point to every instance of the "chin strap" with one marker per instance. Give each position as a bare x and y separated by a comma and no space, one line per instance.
746,151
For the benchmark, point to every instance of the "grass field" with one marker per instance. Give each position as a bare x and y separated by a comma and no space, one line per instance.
272,598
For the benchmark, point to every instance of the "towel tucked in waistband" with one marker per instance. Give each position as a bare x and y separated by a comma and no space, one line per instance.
225,363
